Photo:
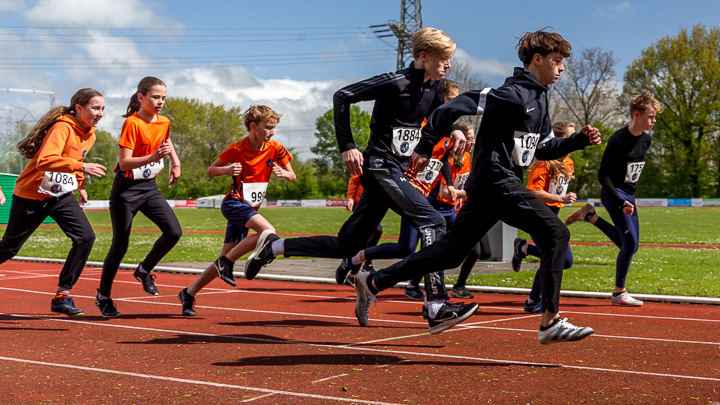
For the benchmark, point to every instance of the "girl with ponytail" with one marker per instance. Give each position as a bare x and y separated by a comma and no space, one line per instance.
144,142
57,146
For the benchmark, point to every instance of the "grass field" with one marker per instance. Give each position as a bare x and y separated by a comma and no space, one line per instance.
654,271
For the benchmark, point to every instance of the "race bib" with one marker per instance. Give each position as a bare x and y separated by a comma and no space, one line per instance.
254,193
431,171
633,171
404,141
559,185
524,150
149,171
57,184
460,180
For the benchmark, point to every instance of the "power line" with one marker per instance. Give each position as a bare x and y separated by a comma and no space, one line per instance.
115,66
86,28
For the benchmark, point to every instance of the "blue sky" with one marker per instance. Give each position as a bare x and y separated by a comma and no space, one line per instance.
291,55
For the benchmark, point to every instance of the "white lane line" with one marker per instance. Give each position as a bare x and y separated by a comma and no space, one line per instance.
595,335
380,351
458,328
189,381
302,295
330,378
256,398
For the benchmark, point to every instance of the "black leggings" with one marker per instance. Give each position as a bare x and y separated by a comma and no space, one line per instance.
126,199
26,215
385,187
509,202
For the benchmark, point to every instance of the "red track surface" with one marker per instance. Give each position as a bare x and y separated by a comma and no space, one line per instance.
280,342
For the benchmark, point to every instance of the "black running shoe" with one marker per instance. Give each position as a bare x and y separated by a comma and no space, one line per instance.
187,302
450,315
66,306
106,307
342,273
364,298
262,255
518,254
147,280
460,291
225,270
368,266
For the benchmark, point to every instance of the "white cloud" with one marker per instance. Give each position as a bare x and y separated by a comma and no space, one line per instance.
11,5
485,67
98,13
614,11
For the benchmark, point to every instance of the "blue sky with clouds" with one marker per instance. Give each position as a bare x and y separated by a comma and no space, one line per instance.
291,55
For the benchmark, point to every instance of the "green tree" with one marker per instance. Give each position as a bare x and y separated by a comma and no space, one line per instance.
683,72
305,185
104,152
329,159
200,132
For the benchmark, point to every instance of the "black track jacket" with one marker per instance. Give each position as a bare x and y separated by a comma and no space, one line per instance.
515,119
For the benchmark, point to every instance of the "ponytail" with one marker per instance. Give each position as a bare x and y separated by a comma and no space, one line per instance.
143,87
34,139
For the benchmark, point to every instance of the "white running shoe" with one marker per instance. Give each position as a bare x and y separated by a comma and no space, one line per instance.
625,300
364,298
563,331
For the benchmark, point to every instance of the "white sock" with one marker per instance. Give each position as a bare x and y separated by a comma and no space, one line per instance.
434,307
141,270
356,259
278,247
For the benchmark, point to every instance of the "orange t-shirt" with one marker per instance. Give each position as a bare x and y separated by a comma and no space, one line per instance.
256,165
63,150
143,137
538,179
459,176
355,188
437,153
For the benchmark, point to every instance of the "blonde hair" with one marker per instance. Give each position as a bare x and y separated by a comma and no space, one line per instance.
541,42
563,128
554,167
259,113
432,41
644,101
30,145
143,87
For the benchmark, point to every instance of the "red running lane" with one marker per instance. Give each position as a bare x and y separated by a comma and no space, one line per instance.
284,342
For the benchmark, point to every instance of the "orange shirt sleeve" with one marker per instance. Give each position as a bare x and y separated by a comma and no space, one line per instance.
355,189
537,177
129,134
50,155
283,156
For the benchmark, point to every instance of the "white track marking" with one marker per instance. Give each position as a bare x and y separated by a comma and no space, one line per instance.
189,381
256,398
458,328
329,378
373,350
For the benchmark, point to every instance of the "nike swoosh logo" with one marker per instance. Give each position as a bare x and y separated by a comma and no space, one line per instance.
529,109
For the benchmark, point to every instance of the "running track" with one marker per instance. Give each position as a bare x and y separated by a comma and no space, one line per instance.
269,342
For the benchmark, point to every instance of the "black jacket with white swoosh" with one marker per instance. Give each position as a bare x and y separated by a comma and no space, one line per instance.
517,107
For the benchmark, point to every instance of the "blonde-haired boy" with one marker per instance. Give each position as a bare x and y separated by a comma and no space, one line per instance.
402,100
